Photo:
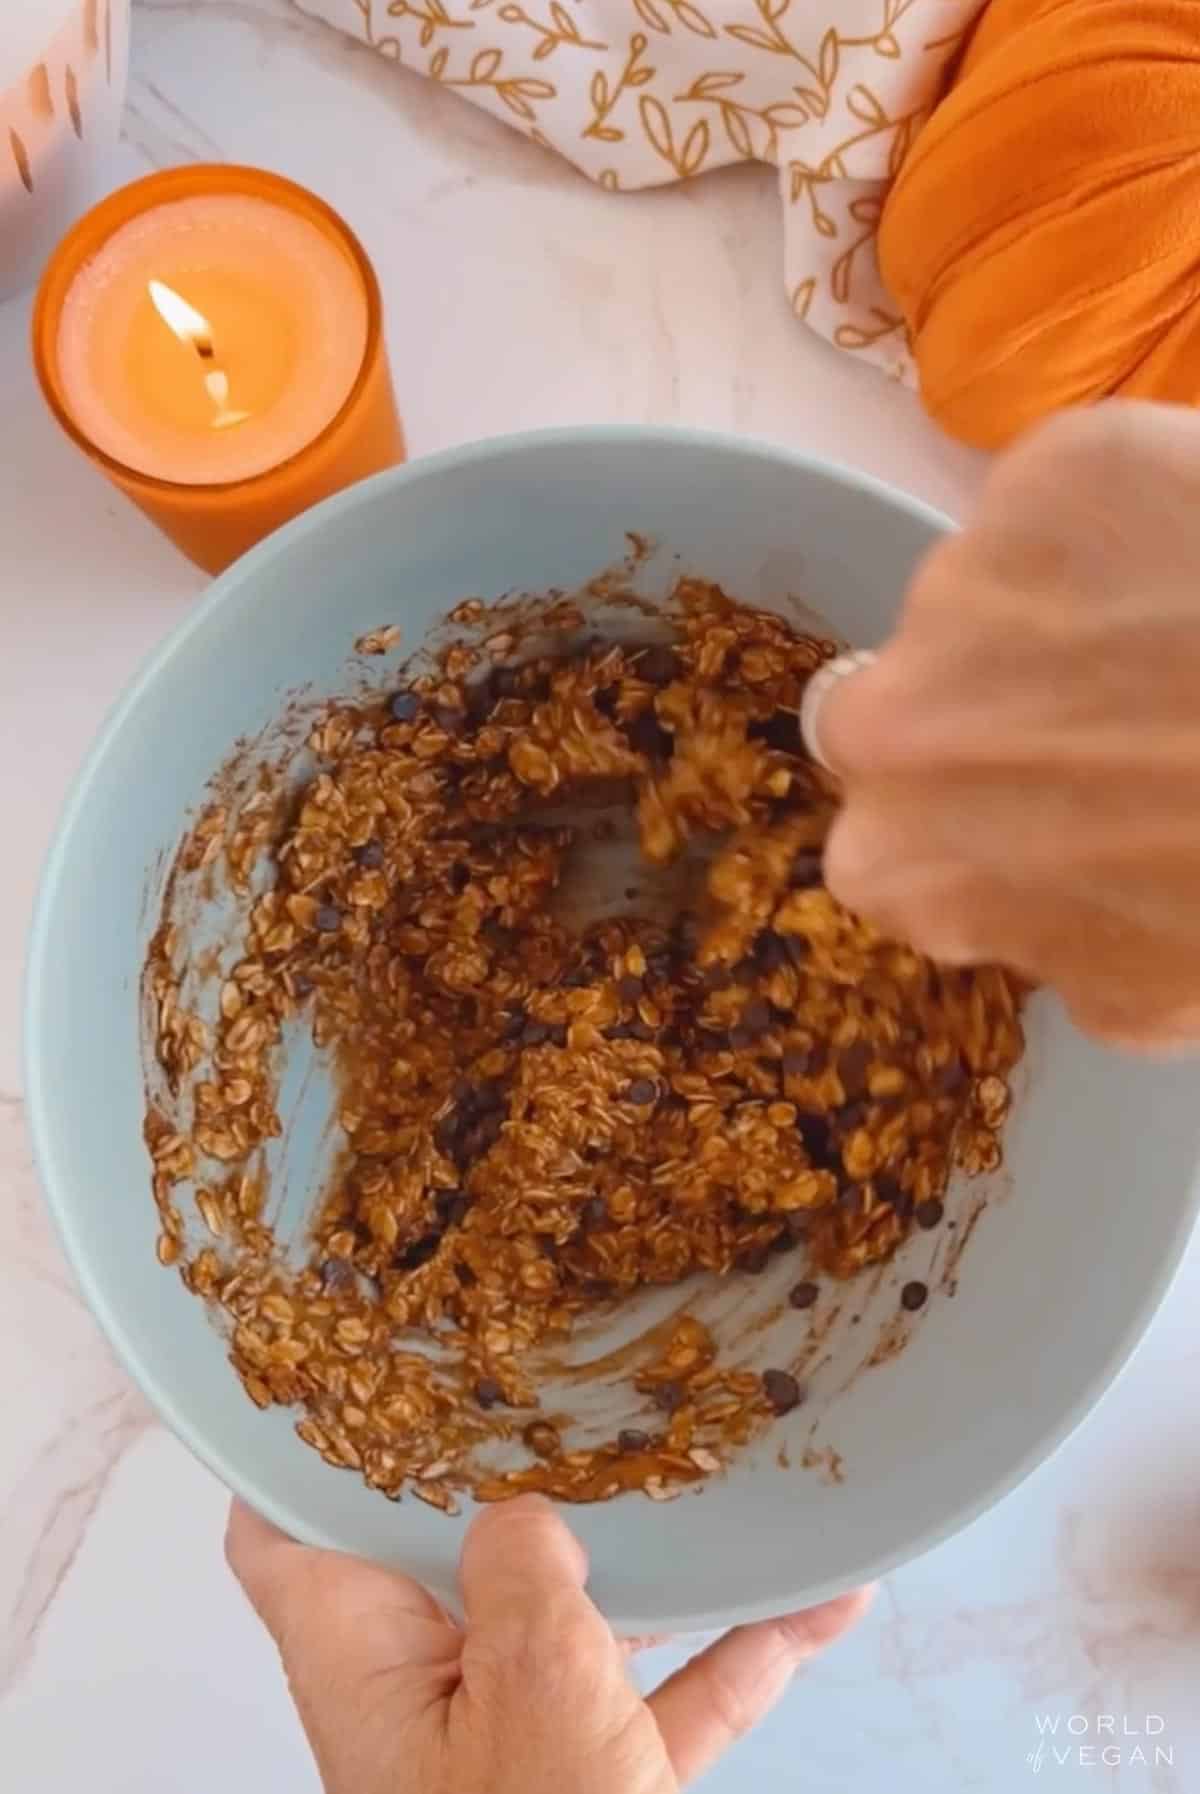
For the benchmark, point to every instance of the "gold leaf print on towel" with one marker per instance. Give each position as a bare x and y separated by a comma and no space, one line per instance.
433,18
865,211
515,93
686,158
863,336
802,297
830,93
753,131
562,29
604,96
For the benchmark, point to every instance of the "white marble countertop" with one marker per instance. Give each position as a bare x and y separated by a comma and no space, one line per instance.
516,296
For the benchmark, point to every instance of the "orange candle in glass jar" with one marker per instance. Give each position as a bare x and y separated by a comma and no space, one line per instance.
212,338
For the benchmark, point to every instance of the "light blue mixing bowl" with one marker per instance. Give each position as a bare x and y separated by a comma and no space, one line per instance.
1061,1275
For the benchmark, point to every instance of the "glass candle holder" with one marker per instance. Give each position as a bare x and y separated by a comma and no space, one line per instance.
212,338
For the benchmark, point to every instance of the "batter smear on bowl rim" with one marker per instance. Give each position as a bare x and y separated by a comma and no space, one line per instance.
542,1116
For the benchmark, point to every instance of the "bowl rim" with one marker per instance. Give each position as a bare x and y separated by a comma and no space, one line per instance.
38,1084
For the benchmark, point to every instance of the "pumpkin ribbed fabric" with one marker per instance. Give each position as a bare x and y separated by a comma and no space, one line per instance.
1043,235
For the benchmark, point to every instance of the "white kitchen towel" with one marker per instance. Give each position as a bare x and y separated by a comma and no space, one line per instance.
636,93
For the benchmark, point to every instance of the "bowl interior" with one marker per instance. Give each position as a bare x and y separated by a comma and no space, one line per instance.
1026,1323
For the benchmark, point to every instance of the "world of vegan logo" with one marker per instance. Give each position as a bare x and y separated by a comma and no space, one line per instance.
1089,1740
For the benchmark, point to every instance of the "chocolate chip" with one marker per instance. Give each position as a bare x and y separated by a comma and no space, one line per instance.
329,918
629,989
772,951
404,706
753,1259
803,1295
669,1397
806,871
795,1063
451,1207
797,1226
370,854
459,877
852,1115
420,1252
783,1241
756,1016
890,1190
913,1296
445,1134
594,1212
514,1025
488,1096
336,1274
852,1067
819,1143
535,1034
547,1245
929,1213
596,1289
659,665
453,721
781,730
782,1390
631,1439
648,736
640,1030
506,682
578,978
465,1274
481,1137
641,1091
488,1392
797,949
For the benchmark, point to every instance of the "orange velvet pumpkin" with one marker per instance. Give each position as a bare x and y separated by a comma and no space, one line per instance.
1043,235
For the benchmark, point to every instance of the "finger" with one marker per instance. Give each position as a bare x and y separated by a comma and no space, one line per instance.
1167,1031
519,1557
530,1624
824,699
363,1647
649,1641
276,1573
898,875
716,1698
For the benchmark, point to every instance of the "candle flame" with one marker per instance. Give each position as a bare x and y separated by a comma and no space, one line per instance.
186,322
190,326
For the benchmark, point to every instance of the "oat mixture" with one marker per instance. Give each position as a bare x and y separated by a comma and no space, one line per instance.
541,1118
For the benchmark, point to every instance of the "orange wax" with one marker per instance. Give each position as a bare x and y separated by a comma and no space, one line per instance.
212,338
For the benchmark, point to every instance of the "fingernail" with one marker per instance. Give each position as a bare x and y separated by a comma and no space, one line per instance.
816,692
